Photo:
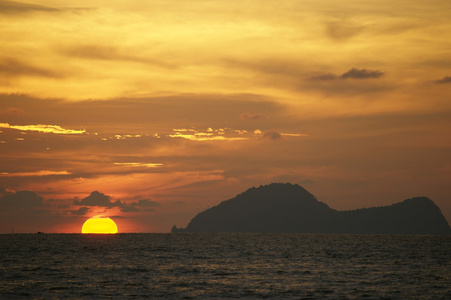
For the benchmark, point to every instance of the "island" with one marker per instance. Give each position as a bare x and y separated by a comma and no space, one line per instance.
289,208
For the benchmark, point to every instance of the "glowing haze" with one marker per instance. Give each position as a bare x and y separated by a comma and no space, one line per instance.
152,111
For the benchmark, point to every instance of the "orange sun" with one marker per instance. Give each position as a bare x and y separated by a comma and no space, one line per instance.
99,224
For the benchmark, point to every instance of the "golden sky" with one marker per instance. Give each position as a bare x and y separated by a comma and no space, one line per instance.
152,111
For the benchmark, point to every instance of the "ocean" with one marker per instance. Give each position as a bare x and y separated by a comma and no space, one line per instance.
224,266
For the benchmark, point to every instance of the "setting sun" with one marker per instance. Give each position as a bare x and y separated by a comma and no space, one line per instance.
99,224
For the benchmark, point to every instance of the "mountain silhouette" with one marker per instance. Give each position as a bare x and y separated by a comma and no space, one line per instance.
284,207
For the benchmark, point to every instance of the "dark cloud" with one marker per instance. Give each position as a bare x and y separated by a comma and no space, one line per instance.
21,199
272,135
130,209
446,79
326,76
10,7
361,74
250,116
140,205
354,73
146,203
12,67
98,199
81,211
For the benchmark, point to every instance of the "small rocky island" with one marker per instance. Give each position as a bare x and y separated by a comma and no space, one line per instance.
289,208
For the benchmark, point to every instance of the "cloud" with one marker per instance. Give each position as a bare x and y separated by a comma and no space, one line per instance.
325,76
294,134
361,74
146,203
130,209
250,116
272,135
353,73
135,164
275,135
81,211
13,67
42,128
38,173
446,79
98,199
98,52
10,7
209,134
12,111
21,199
141,205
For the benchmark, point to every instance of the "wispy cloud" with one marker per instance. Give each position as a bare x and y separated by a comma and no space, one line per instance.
13,67
446,79
38,173
140,164
100,52
140,205
275,135
294,134
10,7
42,128
353,73
210,134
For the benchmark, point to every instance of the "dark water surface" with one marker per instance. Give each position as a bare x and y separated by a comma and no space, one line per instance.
177,266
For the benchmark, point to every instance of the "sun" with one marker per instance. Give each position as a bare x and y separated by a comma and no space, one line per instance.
99,224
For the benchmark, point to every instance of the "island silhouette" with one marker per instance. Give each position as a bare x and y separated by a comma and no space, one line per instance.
289,208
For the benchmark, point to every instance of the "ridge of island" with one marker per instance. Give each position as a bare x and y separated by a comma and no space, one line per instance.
289,208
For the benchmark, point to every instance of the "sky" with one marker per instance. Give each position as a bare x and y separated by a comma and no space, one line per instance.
150,112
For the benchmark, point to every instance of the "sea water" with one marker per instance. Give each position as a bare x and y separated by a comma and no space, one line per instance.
192,266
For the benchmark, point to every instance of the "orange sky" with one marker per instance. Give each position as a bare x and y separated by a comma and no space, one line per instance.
149,112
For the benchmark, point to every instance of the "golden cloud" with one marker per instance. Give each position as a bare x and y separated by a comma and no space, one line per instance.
42,128
139,164
37,173
209,134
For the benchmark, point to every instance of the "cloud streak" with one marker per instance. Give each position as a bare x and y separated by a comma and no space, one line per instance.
11,7
210,134
444,80
42,128
137,165
37,173
353,73
12,67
